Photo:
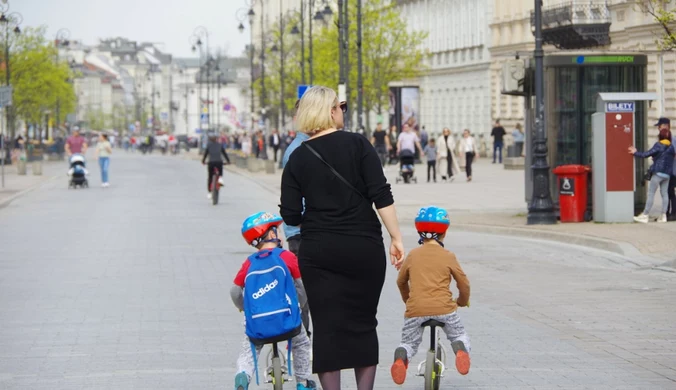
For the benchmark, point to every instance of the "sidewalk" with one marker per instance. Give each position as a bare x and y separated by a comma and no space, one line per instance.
494,203
16,185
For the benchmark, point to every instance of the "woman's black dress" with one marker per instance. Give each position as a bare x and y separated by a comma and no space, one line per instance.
342,256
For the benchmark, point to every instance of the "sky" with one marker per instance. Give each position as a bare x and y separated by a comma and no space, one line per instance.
170,23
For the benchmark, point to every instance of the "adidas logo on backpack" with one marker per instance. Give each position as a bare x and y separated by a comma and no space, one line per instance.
272,311
265,289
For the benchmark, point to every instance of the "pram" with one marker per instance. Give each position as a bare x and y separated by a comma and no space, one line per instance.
77,172
406,167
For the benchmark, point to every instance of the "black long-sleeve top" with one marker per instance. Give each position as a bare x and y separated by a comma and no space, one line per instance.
214,150
330,205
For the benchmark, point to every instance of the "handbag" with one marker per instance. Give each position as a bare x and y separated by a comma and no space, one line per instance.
338,175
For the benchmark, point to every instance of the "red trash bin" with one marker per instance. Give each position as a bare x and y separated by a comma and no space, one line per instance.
572,191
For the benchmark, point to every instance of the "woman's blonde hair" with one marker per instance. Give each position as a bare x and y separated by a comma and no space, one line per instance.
314,110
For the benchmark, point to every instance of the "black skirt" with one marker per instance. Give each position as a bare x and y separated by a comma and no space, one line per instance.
343,277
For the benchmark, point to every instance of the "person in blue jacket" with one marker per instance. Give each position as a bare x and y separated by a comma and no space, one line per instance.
292,233
663,156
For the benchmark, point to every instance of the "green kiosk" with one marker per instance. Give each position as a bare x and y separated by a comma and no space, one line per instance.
572,86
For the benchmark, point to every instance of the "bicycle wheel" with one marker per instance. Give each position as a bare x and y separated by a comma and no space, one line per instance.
436,381
277,378
214,190
429,370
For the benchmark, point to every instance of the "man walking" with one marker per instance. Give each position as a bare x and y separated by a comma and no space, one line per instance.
76,143
498,134
274,141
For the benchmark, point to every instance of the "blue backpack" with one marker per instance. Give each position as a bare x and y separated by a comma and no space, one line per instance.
271,307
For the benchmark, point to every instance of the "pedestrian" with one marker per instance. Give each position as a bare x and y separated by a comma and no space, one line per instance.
275,142
76,143
498,134
407,145
445,160
431,154
519,138
468,148
103,152
660,171
665,124
342,257
381,142
392,135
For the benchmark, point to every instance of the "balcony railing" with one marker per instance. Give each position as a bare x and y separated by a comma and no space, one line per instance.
575,24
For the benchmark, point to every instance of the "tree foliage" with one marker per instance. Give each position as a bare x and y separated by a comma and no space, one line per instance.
390,53
662,11
40,81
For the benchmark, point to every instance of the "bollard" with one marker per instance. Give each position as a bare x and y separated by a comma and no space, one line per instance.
269,166
21,167
37,168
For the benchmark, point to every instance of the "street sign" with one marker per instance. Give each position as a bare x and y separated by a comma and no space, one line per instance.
620,107
6,96
164,116
204,118
301,90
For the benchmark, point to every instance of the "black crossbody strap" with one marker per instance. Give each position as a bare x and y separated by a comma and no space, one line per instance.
338,175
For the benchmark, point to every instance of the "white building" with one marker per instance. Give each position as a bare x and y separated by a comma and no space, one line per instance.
456,88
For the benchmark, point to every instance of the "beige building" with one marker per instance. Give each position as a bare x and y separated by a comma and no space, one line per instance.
631,31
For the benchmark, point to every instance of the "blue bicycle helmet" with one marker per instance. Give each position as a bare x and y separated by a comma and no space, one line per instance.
431,222
256,226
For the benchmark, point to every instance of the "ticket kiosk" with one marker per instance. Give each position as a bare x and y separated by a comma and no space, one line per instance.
614,174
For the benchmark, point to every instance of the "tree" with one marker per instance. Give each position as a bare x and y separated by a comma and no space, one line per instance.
40,80
390,53
665,18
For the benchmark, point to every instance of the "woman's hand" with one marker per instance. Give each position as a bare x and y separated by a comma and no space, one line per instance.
632,150
397,253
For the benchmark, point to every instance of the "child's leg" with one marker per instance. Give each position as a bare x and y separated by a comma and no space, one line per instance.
411,337
245,361
300,347
459,339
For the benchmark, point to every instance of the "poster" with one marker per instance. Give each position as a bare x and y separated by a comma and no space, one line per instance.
410,107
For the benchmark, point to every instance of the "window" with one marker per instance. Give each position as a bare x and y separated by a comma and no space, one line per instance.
471,54
447,58
455,56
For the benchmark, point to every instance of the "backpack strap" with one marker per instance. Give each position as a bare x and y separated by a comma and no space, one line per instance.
338,175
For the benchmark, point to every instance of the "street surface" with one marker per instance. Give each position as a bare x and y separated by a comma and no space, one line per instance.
127,287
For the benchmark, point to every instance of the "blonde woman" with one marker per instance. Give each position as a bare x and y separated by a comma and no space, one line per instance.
468,147
447,162
341,255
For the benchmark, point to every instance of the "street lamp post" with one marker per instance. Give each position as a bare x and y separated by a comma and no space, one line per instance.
10,20
360,80
200,33
251,51
541,209
61,40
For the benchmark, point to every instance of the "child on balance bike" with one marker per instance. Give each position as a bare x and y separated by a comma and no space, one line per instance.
424,281
269,290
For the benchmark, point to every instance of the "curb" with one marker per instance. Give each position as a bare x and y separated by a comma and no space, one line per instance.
4,203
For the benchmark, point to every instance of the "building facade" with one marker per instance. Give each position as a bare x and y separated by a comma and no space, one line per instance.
455,90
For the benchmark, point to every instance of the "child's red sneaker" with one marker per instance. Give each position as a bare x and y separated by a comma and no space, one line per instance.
399,366
462,361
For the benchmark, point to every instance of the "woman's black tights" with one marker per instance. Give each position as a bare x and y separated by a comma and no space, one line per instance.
366,378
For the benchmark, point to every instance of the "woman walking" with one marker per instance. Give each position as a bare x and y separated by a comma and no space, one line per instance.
663,156
341,256
446,163
103,152
467,146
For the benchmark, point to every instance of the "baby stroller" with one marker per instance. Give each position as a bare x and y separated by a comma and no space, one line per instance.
77,172
406,167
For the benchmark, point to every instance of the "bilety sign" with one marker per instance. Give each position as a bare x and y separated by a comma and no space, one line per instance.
620,107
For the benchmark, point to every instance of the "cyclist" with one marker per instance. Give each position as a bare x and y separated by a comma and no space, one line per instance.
214,151
260,231
424,281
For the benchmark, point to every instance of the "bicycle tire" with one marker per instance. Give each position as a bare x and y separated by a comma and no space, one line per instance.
430,364
214,190
437,370
277,378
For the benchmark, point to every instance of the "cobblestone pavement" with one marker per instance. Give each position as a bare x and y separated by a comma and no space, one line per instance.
127,287
16,184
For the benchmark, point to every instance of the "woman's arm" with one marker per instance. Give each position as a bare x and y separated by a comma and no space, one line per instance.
650,153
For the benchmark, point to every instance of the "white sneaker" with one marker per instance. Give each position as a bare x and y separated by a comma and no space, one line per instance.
642,218
220,181
209,195
662,218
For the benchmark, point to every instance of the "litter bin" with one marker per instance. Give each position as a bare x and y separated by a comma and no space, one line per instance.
572,191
